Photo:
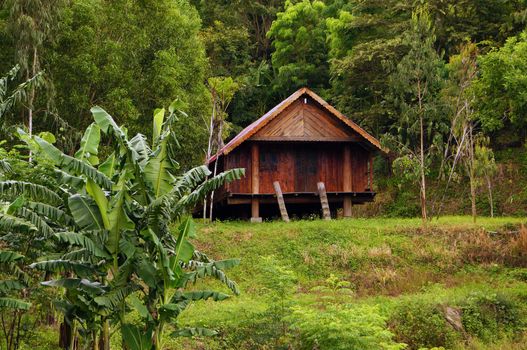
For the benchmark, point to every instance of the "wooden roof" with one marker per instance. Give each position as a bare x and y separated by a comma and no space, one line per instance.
260,123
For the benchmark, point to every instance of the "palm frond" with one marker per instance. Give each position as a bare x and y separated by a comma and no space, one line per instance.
73,165
194,332
36,220
10,285
81,269
140,145
10,223
12,303
115,297
215,269
76,283
199,295
7,257
50,212
82,240
5,167
11,189
189,181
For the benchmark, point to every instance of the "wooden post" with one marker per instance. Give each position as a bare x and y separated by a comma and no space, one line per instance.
347,185
371,171
281,203
326,214
255,181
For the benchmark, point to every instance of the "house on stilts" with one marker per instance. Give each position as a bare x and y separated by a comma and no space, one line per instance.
301,142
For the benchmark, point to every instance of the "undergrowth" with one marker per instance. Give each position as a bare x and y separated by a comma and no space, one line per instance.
369,283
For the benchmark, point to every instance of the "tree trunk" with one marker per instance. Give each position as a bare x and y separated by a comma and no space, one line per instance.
95,340
65,336
209,147
215,169
472,171
491,202
32,99
105,335
422,155
473,197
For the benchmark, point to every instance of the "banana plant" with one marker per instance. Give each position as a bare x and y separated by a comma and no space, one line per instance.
11,306
114,216
173,265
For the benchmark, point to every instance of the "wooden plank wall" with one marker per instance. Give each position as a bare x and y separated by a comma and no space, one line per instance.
304,120
240,158
359,167
299,167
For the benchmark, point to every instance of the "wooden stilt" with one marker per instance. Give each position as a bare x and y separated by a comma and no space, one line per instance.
348,181
346,210
255,180
255,210
326,214
281,203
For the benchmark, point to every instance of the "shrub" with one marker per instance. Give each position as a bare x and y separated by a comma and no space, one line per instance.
422,324
491,316
404,205
341,327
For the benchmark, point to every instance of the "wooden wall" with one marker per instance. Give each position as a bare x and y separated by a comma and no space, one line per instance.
298,166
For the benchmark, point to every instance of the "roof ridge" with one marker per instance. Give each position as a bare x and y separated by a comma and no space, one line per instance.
258,124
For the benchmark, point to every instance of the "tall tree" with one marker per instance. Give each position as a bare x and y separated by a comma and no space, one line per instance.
500,88
222,90
364,40
458,95
31,23
485,168
300,51
415,87
146,54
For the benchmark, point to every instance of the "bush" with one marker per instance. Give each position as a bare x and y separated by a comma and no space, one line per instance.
341,327
422,325
491,316
405,205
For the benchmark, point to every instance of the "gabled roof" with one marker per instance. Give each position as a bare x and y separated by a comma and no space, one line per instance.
257,125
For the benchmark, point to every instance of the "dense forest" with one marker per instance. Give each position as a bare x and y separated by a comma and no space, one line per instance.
449,71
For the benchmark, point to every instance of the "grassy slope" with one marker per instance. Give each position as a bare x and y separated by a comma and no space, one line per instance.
386,261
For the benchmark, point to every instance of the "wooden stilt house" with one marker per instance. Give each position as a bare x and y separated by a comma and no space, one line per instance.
299,143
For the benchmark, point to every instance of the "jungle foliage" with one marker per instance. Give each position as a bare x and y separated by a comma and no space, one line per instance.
99,226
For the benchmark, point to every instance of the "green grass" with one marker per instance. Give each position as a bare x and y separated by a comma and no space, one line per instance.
391,270
384,263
